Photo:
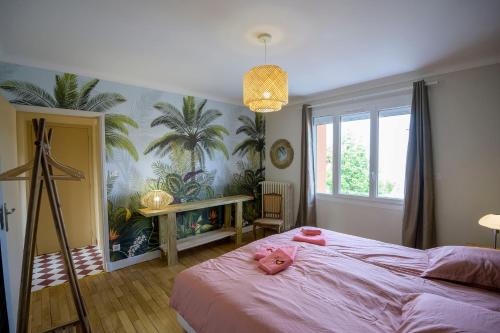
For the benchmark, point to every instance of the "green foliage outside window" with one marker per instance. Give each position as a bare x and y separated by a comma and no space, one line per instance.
355,178
385,189
354,168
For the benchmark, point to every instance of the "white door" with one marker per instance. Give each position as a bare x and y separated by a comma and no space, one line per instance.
12,233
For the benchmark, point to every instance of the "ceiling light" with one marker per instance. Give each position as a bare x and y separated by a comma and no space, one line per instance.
265,87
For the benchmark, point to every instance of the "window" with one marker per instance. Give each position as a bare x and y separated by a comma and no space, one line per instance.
363,153
355,154
324,155
393,130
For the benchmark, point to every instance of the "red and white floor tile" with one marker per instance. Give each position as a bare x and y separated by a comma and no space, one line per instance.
48,269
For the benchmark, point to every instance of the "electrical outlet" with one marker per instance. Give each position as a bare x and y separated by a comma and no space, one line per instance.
116,247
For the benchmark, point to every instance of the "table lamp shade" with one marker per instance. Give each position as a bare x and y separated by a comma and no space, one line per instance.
490,221
156,199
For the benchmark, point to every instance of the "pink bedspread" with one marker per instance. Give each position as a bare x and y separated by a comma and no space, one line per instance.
351,285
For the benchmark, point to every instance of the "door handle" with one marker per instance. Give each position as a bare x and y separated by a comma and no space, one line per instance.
4,216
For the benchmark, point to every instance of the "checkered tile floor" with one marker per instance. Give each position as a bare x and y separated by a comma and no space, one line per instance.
48,269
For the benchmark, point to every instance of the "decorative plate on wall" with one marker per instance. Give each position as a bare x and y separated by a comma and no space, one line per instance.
281,154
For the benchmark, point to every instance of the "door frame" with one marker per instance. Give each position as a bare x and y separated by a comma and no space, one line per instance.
102,230
25,152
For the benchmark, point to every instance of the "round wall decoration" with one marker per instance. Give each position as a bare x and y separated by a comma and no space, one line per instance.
281,154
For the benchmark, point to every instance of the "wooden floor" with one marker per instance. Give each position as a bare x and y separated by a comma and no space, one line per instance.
133,299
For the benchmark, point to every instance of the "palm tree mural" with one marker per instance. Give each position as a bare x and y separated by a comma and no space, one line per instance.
67,95
116,134
192,130
256,141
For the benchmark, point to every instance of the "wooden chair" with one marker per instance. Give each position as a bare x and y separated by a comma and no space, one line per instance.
272,214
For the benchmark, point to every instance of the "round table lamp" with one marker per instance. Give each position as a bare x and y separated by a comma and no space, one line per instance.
493,222
156,199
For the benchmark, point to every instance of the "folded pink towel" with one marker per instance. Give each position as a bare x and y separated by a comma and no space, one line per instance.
308,231
290,250
267,249
264,251
275,262
318,239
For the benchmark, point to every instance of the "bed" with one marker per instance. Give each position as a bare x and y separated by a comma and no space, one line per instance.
351,285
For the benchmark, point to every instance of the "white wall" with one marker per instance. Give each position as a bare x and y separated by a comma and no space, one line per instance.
285,124
375,221
465,115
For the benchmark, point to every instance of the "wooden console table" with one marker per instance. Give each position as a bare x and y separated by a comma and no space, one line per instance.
168,224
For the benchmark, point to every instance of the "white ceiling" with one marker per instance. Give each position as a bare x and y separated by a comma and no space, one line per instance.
205,47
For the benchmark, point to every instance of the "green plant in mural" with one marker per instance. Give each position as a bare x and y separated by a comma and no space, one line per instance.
116,134
67,95
135,233
189,186
198,221
256,141
247,181
184,186
192,129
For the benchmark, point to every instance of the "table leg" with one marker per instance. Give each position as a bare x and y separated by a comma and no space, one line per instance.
162,232
227,216
172,239
239,223
168,236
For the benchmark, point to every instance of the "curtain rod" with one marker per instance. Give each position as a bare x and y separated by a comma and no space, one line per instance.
381,93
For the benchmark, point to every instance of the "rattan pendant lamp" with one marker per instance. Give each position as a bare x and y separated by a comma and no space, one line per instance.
265,87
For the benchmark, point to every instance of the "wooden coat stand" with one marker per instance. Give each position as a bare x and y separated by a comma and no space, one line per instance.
42,173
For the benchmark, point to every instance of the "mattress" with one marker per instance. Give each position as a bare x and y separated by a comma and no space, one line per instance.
353,284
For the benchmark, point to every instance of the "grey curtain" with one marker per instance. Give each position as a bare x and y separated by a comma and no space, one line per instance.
418,219
307,204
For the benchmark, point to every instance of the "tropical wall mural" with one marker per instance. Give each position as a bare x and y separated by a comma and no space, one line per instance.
192,148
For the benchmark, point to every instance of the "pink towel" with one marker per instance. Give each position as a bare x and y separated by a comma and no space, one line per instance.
275,262
290,250
267,249
318,239
308,231
264,251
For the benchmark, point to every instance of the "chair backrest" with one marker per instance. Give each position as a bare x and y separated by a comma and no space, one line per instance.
272,206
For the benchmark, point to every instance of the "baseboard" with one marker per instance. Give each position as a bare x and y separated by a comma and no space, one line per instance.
114,265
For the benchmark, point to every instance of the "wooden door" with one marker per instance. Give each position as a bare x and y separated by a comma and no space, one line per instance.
11,230
71,145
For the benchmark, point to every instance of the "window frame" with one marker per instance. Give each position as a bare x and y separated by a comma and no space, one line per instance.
322,120
376,169
338,161
334,114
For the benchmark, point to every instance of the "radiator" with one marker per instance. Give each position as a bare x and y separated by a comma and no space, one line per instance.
286,191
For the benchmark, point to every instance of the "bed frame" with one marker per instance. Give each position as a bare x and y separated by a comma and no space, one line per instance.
187,328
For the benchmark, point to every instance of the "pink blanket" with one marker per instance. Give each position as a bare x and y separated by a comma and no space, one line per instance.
352,284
